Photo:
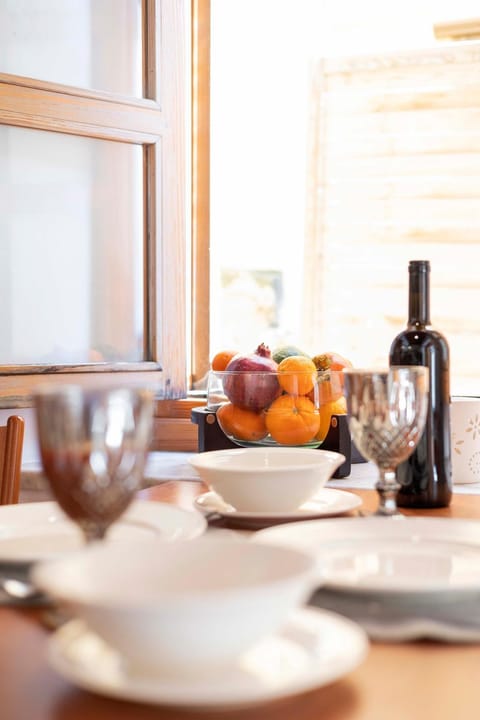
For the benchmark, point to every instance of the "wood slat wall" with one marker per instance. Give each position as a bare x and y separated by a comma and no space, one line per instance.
394,176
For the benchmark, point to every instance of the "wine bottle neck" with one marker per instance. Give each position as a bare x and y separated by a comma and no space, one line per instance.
419,297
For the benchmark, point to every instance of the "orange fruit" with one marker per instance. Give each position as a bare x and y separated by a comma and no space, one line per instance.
330,384
337,407
297,374
292,420
221,359
240,423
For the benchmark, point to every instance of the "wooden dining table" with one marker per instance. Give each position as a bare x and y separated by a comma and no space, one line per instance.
397,681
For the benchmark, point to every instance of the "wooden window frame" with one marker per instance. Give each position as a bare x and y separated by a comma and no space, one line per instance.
158,119
157,122
200,189
173,429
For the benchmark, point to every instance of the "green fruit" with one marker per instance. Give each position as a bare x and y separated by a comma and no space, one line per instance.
285,351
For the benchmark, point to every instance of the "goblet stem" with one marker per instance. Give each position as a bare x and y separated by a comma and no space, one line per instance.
93,532
387,487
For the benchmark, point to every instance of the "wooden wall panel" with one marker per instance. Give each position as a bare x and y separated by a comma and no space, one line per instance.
395,175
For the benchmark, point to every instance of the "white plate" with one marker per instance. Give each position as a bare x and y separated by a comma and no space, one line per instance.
326,503
402,555
35,531
315,648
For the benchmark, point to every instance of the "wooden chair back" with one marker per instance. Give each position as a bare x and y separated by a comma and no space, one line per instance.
11,447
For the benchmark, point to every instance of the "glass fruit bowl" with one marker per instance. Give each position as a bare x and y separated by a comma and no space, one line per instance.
276,408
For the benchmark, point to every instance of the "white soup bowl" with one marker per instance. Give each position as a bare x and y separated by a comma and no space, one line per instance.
183,607
266,479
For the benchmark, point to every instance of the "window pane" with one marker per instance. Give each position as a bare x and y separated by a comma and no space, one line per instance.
71,249
334,163
95,44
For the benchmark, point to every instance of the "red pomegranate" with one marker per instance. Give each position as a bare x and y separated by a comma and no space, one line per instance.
250,381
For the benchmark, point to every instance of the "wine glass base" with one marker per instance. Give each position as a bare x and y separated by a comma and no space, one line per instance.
387,510
378,513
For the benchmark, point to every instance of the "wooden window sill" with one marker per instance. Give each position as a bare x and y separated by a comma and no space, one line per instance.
173,429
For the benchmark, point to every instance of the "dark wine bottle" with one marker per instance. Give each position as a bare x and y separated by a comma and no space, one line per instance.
426,476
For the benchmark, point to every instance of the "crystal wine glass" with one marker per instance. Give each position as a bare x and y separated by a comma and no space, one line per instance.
93,446
387,412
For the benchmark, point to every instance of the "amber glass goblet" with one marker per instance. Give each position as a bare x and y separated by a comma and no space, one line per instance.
93,446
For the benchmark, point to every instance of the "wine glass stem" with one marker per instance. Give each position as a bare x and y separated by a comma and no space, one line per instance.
93,532
387,487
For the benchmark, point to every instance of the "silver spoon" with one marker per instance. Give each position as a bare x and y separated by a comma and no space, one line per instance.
23,592
20,590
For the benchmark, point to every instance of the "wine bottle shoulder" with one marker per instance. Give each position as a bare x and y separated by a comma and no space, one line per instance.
412,340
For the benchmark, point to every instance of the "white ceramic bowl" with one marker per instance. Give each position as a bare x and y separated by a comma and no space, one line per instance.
181,607
266,479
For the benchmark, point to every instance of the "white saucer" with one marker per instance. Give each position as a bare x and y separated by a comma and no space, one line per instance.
315,648
326,503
